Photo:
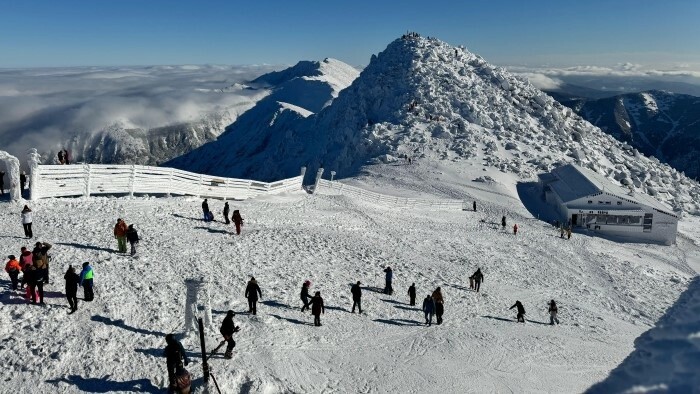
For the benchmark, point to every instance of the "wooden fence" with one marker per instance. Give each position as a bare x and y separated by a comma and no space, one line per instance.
90,179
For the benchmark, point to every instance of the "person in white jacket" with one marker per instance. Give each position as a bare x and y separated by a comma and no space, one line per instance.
27,221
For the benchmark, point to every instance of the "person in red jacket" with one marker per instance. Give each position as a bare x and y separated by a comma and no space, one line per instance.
12,268
120,234
515,229
237,220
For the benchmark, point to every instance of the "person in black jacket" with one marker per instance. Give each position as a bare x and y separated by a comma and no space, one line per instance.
72,280
205,209
133,237
174,353
521,311
35,278
226,211
317,308
476,279
22,182
503,222
412,294
2,183
305,295
227,330
251,293
356,296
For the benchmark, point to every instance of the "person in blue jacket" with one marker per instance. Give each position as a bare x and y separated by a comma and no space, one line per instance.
86,276
428,309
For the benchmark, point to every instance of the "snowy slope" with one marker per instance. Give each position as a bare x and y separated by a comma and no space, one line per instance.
445,106
608,295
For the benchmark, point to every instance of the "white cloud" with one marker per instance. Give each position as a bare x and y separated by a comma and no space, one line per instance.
541,81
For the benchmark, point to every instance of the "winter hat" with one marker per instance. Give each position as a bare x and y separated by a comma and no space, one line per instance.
11,257
23,248
85,264
318,293
37,244
231,313
358,282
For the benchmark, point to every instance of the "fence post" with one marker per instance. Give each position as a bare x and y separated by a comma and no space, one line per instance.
247,191
33,159
319,174
303,174
131,180
88,170
170,183
12,165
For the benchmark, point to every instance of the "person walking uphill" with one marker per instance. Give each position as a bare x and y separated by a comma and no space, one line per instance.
553,310
515,229
27,219
304,295
226,211
178,377
428,309
356,296
521,311
120,234
252,291
72,281
389,276
40,257
439,305
412,294
317,308
12,268
237,220
477,277
503,222
86,277
133,237
227,329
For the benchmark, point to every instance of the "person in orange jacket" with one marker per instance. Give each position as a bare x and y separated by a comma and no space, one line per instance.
515,229
120,234
12,268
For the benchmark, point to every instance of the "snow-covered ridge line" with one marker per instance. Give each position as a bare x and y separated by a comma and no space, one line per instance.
90,179
325,186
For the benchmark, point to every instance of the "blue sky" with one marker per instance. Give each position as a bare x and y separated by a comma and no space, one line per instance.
146,32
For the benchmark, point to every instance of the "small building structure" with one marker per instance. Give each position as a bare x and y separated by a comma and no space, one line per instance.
587,201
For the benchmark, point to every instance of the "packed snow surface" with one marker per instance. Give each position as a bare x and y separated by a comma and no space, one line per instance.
608,294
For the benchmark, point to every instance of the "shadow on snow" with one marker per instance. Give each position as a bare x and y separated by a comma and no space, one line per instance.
104,385
120,323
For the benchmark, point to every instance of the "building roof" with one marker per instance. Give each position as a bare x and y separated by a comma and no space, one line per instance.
574,182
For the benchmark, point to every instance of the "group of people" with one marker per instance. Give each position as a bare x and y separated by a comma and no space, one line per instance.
125,233
235,217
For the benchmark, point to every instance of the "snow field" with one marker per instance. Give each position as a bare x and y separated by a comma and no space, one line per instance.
608,294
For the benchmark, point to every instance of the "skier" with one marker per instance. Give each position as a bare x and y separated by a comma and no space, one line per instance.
72,280
553,310
34,281
356,296
412,294
120,234
27,221
22,181
237,220
317,308
503,222
2,183
177,374
477,277
521,311
428,309
86,277
205,210
251,293
133,237
40,259
12,268
227,329
515,229
226,210
388,289
305,295
439,305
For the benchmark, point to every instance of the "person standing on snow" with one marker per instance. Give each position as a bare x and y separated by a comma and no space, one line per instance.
72,281
33,278
120,234
305,295
22,182
428,309
515,229
477,277
521,311
317,308
227,329
389,276
174,354
412,294
237,220
474,205
503,222
86,277
568,233
205,210
61,159
12,268
252,291
27,221
553,310
133,237
439,305
226,211
2,183
356,296
40,257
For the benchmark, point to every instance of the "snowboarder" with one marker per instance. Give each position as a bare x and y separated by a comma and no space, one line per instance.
521,311
22,181
252,291
27,221
120,234
515,229
177,374
389,276
412,294
205,210
237,220
35,281
40,257
477,277
305,295
553,310
474,205
503,222
13,268
226,210
72,280
428,309
86,277
439,305
2,183
356,296
317,308
133,237
227,329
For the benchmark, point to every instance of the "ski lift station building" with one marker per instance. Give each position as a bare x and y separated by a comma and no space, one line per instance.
590,203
